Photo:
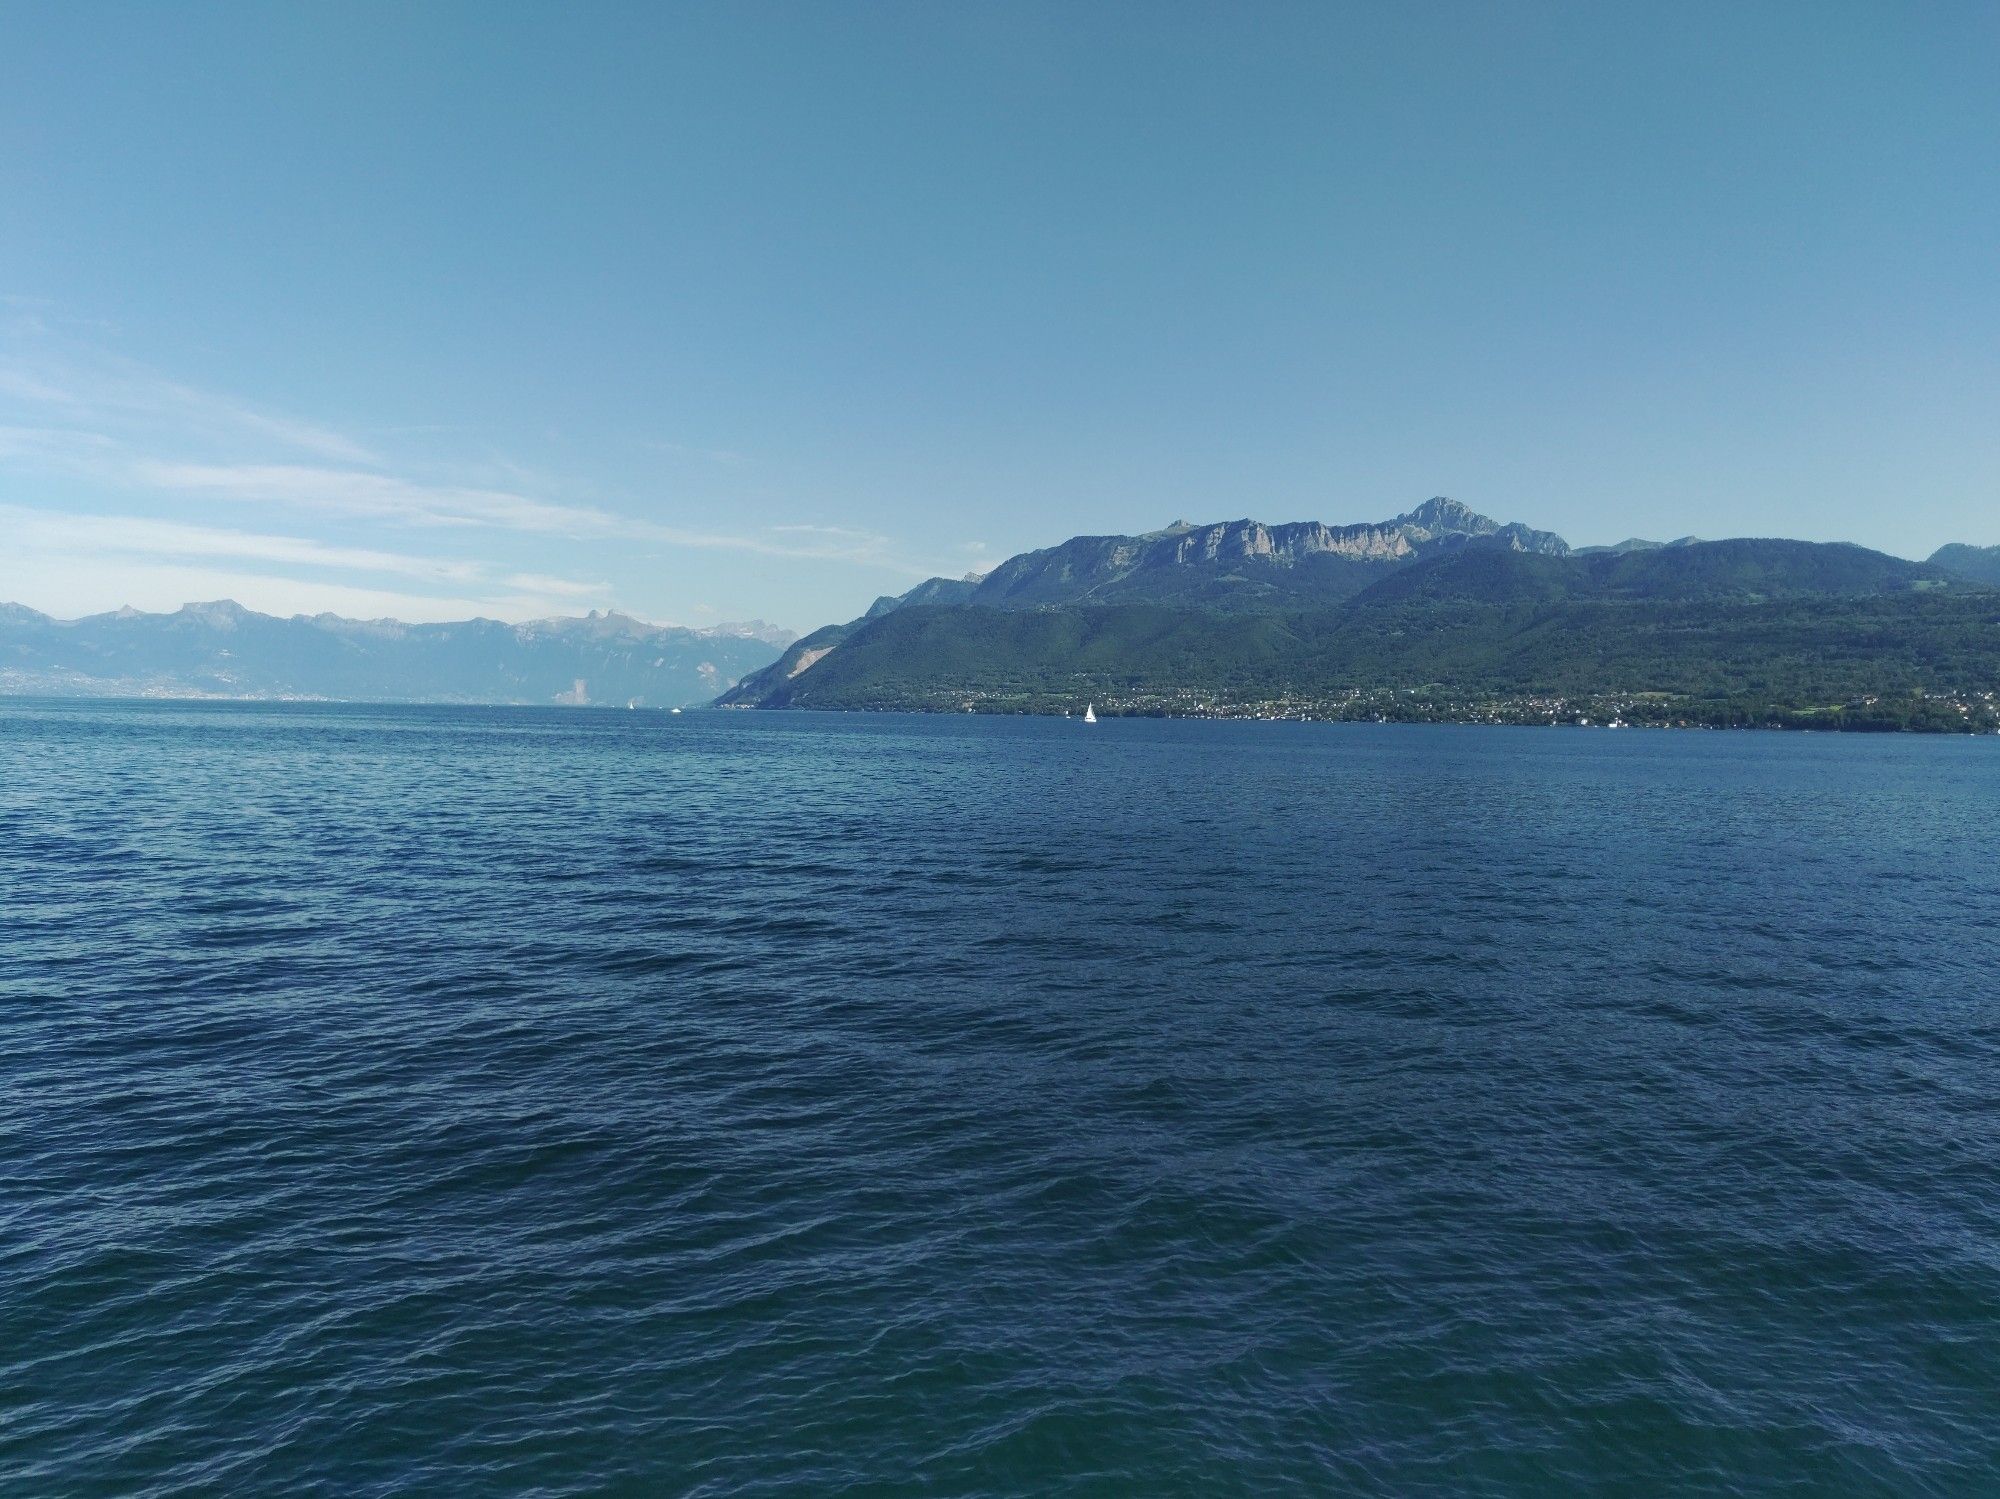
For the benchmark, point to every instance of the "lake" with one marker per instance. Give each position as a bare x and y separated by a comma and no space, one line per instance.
493,1101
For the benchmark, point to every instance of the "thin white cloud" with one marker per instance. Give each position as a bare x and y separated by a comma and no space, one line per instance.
374,496
98,390
57,447
370,496
870,551
68,586
77,413
68,564
564,587
138,536
305,436
25,387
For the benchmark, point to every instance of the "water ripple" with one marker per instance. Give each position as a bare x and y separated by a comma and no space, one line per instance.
501,1102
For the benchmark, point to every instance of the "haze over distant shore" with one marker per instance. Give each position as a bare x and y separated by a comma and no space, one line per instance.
224,650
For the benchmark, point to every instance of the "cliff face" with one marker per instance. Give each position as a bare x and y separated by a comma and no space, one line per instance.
1244,562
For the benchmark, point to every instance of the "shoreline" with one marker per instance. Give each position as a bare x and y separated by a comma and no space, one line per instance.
1836,720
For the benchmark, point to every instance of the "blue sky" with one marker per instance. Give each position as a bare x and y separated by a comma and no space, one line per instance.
716,311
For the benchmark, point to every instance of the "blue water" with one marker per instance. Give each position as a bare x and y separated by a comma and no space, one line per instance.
466,1102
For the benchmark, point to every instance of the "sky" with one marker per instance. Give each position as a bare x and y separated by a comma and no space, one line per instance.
708,312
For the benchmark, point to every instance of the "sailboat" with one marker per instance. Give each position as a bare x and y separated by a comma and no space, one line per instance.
1090,713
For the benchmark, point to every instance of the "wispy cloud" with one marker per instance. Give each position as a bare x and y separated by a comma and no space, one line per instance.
563,587
67,586
304,436
819,544
374,496
25,387
107,426
68,563
361,495
139,536
57,447
97,389
370,494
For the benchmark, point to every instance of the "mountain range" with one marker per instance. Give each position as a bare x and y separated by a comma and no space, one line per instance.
224,650
1437,612
1440,604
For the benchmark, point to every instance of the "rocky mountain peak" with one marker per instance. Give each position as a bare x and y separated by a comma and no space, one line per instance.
221,614
1441,513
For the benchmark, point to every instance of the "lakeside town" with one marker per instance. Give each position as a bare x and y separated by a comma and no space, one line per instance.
1947,713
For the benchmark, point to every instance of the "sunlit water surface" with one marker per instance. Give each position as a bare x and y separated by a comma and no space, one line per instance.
460,1101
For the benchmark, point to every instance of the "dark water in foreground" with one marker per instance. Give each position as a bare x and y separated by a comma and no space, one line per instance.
501,1102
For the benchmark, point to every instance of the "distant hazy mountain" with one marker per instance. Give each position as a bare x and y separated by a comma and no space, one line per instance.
1634,544
224,650
1978,564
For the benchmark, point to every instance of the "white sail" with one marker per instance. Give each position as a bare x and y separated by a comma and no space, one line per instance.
1090,713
